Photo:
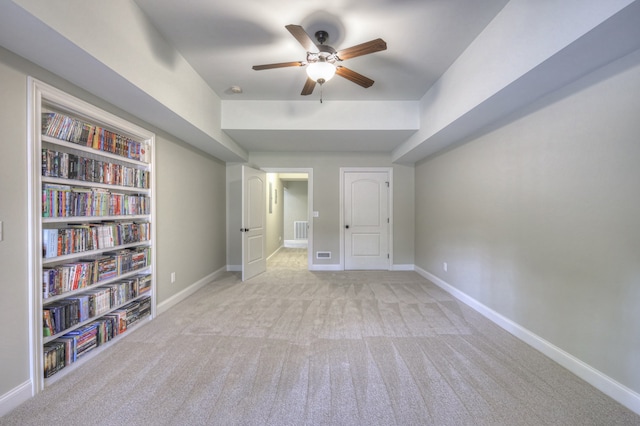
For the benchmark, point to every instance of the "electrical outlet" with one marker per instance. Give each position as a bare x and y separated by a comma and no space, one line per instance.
445,266
173,277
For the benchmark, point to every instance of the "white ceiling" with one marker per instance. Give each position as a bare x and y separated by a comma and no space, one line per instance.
452,68
222,39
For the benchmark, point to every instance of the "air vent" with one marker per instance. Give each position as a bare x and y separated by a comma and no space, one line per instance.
323,255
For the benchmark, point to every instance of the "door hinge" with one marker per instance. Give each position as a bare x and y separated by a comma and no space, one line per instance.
388,220
388,257
387,183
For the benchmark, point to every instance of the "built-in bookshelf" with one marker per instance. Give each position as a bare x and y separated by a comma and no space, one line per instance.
92,230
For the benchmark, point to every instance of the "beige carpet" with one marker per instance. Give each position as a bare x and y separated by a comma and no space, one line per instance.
293,347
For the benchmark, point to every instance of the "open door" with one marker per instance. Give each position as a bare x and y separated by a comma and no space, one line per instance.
254,260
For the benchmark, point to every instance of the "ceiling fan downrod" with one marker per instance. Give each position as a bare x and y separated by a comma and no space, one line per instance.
322,36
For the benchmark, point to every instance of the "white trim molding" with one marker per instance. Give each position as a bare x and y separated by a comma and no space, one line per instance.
402,267
617,391
296,243
16,396
329,267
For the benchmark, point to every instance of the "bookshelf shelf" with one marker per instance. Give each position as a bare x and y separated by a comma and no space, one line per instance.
83,184
91,184
50,299
93,219
62,373
91,151
48,339
88,253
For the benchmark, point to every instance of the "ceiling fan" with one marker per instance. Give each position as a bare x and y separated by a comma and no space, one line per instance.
322,59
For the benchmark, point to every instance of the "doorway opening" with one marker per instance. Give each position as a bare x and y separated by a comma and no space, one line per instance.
289,217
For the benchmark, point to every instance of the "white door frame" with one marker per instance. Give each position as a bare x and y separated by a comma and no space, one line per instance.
344,170
309,172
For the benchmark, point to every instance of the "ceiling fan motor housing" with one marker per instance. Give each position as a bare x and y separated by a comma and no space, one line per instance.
322,36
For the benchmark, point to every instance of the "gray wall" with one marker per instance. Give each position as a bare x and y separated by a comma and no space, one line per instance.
190,213
295,205
326,197
538,219
14,274
276,217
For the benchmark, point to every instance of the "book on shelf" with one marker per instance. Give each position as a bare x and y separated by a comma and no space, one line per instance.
144,283
120,319
78,238
53,358
107,329
63,127
59,164
47,324
83,306
99,301
50,243
61,315
86,339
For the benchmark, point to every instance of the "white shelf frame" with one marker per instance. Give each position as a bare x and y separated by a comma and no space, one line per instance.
40,94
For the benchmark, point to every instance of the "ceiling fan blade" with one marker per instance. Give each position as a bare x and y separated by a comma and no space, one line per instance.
309,85
354,77
362,49
278,65
303,38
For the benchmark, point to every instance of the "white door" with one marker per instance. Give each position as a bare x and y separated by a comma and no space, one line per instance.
254,216
366,220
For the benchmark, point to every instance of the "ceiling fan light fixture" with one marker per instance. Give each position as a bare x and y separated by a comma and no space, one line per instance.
321,71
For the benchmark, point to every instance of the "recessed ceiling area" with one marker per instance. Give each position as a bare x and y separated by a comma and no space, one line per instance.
222,40
451,69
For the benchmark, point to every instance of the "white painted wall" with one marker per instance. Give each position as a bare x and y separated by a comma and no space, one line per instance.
538,221
295,206
275,218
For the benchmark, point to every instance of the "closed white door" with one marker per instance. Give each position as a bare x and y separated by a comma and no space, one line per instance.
366,220
254,216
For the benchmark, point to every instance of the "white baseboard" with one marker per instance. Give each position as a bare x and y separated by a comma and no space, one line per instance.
15,397
234,268
275,252
179,297
338,267
617,391
332,267
296,243
403,267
